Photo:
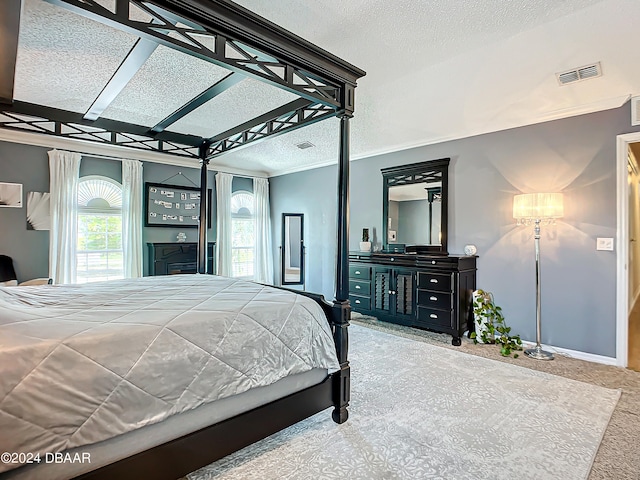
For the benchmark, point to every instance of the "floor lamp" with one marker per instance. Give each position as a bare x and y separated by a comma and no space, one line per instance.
535,209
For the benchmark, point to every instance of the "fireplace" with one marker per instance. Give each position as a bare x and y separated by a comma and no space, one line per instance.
177,258
177,268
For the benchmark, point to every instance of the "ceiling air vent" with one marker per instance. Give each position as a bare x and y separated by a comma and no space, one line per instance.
582,73
635,110
304,145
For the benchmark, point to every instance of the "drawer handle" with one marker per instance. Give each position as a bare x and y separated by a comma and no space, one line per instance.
392,259
357,301
433,280
357,287
433,315
433,262
357,272
433,299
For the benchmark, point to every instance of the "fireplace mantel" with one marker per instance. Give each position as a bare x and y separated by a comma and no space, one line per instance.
176,258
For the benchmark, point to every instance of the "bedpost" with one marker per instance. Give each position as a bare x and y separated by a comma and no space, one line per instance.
9,32
202,224
341,307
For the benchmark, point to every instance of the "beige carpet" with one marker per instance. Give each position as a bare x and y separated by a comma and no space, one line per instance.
618,457
419,411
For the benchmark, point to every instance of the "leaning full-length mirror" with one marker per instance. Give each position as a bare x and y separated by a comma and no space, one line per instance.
292,249
415,206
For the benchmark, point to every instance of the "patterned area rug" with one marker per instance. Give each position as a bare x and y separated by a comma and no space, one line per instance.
423,411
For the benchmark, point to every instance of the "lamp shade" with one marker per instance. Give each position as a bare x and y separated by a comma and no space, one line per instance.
538,206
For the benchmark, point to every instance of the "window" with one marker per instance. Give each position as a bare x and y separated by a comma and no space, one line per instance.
242,234
99,255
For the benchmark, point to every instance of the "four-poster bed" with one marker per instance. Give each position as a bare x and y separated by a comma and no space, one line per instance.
226,35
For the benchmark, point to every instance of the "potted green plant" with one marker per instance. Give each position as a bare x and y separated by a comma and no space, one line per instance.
365,244
490,325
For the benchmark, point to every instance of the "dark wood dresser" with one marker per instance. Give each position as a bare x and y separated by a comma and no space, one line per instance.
432,292
175,258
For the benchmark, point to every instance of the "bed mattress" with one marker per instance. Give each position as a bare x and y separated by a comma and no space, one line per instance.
83,363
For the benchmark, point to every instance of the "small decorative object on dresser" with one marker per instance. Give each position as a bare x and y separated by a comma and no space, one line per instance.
470,249
365,244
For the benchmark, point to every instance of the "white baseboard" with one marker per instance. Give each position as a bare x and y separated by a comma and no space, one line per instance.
589,357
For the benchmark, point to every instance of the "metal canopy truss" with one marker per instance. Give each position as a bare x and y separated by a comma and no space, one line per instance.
188,37
9,29
294,115
217,31
61,123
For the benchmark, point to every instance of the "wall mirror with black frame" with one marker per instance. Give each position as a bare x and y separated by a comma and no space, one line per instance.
292,268
415,207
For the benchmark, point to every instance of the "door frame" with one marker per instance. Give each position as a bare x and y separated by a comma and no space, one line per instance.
622,247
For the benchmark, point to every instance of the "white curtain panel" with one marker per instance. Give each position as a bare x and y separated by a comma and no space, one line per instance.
132,218
64,172
223,237
263,259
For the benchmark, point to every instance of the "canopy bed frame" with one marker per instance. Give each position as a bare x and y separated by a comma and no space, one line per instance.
227,35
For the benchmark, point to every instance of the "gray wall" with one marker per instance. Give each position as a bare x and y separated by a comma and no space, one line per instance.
29,249
313,193
576,156
98,166
29,165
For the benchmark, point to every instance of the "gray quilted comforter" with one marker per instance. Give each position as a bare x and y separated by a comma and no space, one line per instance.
83,363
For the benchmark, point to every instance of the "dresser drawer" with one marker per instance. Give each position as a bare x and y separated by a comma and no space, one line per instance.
360,287
431,299
431,318
360,272
360,303
434,281
437,262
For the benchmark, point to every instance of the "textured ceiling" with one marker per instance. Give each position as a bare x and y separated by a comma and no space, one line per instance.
436,70
151,95
64,60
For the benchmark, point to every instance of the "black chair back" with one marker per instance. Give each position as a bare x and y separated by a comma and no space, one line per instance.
7,272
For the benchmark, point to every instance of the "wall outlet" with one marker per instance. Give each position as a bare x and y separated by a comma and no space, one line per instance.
604,244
